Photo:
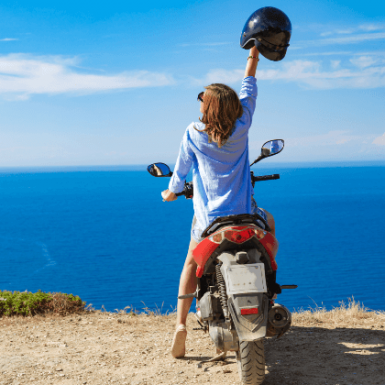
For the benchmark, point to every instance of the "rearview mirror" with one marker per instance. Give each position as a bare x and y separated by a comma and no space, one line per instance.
159,170
272,147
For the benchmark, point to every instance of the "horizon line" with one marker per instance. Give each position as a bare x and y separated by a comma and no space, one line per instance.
143,166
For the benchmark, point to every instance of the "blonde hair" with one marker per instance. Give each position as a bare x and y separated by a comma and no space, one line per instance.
221,109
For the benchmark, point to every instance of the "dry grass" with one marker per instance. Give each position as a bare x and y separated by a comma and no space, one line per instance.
61,305
350,314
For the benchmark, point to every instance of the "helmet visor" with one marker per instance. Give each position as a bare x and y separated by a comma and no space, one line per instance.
270,52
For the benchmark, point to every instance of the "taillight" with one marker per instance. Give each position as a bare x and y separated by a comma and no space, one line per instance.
237,234
260,233
216,238
253,310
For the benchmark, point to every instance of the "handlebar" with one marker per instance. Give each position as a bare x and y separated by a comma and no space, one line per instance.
188,190
265,177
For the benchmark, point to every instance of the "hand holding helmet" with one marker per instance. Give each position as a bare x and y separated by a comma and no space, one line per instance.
269,29
252,62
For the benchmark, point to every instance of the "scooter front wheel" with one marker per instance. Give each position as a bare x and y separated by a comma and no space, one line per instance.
251,362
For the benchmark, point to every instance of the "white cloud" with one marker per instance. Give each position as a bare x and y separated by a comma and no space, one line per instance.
363,61
8,39
339,144
338,37
204,44
309,74
339,32
339,53
340,137
352,38
335,63
23,75
345,31
380,140
327,33
372,27
368,27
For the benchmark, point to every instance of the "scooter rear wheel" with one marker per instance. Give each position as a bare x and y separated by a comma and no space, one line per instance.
251,362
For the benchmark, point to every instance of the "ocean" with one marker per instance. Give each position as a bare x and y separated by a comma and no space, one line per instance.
105,234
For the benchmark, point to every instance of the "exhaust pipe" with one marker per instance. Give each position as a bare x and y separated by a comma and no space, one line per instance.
279,321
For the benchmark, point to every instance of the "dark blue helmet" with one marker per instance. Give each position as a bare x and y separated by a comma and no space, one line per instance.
269,29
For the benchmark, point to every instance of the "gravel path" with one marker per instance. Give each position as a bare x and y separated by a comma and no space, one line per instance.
105,348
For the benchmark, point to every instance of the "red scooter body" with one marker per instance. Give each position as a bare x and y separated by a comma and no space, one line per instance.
238,235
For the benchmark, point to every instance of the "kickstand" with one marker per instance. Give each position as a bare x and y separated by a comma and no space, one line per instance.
220,357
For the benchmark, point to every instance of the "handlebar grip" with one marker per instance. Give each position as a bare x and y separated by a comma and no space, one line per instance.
289,286
188,191
265,177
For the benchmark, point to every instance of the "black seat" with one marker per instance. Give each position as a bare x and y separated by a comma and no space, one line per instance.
239,219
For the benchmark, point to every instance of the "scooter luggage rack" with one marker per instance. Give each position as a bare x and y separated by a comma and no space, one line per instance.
235,220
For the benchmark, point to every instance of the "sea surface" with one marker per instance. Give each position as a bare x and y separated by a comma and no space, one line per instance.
105,234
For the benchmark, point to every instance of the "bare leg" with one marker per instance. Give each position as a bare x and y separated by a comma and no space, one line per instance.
187,285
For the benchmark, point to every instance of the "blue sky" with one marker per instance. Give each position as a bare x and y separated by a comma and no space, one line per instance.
115,83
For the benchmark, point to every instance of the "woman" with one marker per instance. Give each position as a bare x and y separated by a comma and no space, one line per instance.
216,148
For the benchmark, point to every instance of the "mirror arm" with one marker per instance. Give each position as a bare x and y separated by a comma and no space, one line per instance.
258,159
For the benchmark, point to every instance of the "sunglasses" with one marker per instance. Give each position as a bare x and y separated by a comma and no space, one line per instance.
200,96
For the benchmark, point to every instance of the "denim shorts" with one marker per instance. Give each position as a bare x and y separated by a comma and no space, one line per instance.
257,210
196,233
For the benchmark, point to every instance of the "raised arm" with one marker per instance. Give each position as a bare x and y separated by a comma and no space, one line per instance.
252,62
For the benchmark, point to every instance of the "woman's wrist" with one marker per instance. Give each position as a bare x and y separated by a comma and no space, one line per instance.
252,62
254,51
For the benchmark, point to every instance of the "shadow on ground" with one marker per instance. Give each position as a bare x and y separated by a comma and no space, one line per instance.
326,356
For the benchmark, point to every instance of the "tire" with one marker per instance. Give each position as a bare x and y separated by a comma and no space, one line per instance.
251,362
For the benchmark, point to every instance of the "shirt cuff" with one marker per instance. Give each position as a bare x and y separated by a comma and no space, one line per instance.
176,185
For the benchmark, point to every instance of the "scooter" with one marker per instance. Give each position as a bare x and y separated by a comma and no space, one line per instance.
237,286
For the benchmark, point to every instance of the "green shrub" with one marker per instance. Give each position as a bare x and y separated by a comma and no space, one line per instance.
26,303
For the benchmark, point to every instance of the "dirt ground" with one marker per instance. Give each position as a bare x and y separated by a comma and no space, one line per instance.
109,348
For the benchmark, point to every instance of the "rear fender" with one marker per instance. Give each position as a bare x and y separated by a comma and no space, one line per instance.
246,291
250,327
